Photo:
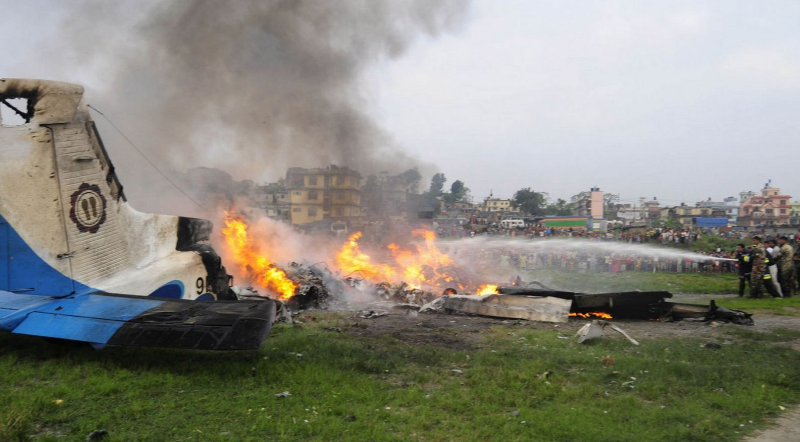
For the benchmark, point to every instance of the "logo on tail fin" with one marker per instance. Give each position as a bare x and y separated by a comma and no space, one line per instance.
88,208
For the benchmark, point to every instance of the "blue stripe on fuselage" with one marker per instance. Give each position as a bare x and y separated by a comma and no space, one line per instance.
23,271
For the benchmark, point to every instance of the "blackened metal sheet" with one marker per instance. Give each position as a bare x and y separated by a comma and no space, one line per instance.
200,325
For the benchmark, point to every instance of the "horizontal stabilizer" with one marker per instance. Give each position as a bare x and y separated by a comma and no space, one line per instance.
106,319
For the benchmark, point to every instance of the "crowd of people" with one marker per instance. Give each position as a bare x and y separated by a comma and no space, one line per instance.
663,236
772,267
602,261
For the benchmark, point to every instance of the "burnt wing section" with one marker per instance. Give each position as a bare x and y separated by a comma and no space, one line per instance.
200,325
192,232
633,305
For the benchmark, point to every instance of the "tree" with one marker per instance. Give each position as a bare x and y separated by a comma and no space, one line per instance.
458,192
411,177
610,200
581,196
529,202
669,223
437,184
559,208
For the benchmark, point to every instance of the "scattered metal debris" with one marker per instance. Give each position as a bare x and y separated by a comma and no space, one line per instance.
371,314
595,329
434,306
589,331
627,336
404,294
728,315
536,308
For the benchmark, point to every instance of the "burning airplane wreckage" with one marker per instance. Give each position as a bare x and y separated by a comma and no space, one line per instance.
424,279
77,262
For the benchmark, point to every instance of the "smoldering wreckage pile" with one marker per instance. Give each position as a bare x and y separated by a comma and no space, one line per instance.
425,280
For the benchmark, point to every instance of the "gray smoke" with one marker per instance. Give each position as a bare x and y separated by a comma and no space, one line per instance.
252,86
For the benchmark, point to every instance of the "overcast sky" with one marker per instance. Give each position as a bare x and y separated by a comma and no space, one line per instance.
682,100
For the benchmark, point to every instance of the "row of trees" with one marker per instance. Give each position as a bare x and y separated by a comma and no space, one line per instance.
458,191
527,200
535,203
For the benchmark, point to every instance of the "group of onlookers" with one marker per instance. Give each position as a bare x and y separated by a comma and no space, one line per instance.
772,266
604,261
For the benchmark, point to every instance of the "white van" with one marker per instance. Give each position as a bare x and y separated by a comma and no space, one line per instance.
512,224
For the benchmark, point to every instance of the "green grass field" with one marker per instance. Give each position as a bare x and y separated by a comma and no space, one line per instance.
370,388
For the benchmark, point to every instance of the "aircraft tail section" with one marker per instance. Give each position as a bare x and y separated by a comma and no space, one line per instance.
67,224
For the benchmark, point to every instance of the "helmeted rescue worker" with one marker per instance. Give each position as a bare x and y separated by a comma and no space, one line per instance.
745,267
759,272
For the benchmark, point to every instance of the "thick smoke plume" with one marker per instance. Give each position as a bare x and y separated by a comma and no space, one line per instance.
253,86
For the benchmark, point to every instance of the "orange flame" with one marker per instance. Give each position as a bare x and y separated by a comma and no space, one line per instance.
425,265
590,315
252,263
487,289
421,265
351,259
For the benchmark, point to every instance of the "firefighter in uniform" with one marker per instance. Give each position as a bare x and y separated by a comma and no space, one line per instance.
760,277
786,267
745,267
757,256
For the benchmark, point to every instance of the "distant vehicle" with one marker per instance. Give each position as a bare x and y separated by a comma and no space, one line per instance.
77,262
339,228
512,224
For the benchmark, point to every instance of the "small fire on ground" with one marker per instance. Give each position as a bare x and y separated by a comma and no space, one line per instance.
591,315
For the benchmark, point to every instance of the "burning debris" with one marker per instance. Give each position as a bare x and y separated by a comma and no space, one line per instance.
254,262
421,278
403,294
412,275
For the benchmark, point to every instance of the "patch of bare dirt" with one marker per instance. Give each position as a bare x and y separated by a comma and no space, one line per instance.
783,429
463,332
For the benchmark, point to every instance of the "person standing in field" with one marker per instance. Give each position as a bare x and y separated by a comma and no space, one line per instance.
786,267
745,267
759,274
771,279
757,256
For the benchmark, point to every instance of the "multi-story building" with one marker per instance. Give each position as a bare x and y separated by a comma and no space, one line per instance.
386,196
729,205
771,208
273,199
646,213
685,214
794,214
589,203
498,205
315,195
